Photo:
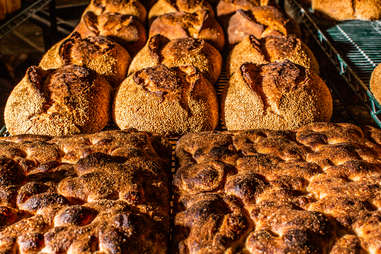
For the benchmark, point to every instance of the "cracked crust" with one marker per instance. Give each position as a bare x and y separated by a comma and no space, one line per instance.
313,190
167,101
100,193
278,96
98,53
375,83
63,101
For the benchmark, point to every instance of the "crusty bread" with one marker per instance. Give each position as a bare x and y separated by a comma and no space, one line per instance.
180,52
277,96
375,83
271,49
166,101
198,25
63,101
124,29
124,7
228,7
98,53
162,7
98,193
313,190
348,9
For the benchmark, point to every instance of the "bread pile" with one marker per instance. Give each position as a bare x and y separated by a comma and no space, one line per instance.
8,7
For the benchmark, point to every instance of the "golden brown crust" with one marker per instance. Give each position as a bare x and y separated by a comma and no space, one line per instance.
124,7
104,193
64,101
98,53
263,191
168,101
271,49
180,52
278,96
375,83
124,29
197,25
228,7
348,9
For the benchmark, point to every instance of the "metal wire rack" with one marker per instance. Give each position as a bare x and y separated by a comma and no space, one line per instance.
354,47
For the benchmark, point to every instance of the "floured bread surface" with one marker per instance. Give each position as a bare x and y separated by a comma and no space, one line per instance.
313,190
99,193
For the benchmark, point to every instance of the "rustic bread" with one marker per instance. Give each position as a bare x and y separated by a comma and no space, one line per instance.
313,190
180,52
198,25
167,101
63,101
124,29
228,7
162,7
278,96
124,7
271,49
98,53
104,193
348,9
375,83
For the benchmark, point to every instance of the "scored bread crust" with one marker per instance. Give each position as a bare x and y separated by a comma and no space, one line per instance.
198,25
277,96
375,83
166,101
180,52
100,193
98,53
313,190
64,101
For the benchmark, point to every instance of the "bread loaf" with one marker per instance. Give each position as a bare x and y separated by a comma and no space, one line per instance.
64,101
180,52
166,101
228,7
98,53
278,96
375,83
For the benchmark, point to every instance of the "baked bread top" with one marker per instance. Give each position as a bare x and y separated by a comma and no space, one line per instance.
375,83
313,190
105,192
98,53
198,25
227,7
179,52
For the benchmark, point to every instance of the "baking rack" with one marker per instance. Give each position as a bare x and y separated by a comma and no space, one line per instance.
354,47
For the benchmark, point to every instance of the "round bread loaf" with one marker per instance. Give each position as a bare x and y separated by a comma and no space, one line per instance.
198,25
63,101
124,7
124,29
271,49
167,101
348,9
180,52
277,96
375,83
98,53
162,7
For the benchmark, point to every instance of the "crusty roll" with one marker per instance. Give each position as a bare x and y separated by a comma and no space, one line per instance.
260,22
198,25
277,96
348,9
375,83
162,7
124,7
98,53
63,101
124,29
166,101
271,49
179,52
228,7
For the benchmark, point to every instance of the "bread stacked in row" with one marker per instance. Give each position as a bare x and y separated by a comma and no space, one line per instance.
169,89
71,90
274,82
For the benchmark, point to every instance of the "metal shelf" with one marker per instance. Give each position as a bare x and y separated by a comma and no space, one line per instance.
354,47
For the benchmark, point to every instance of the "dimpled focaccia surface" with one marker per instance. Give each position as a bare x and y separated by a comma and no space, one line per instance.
104,193
313,190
